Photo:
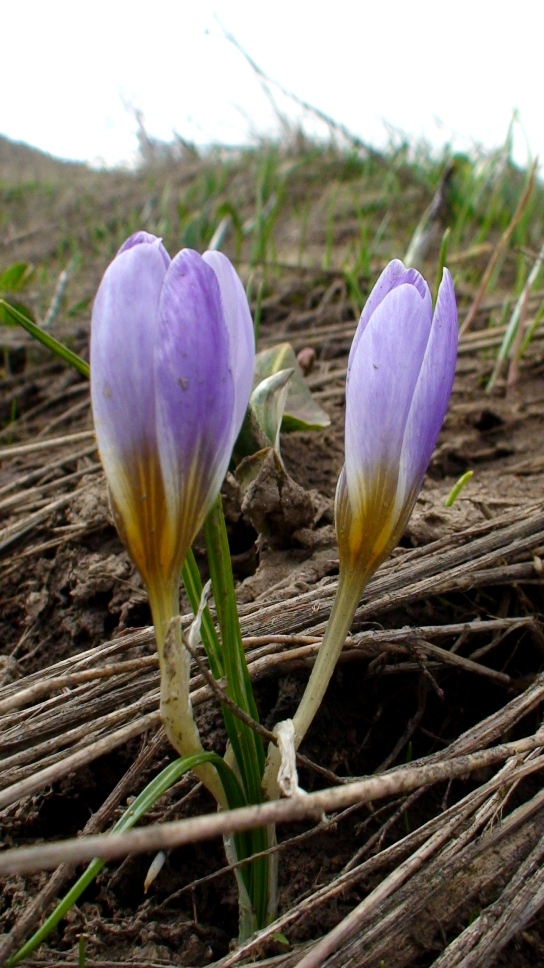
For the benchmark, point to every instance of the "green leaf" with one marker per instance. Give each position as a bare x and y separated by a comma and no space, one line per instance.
301,410
16,276
268,404
281,401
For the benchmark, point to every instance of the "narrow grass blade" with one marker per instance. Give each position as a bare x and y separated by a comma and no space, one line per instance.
46,340
499,249
213,648
247,745
143,802
515,321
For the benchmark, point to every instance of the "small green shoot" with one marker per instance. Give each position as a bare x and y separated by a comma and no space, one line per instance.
457,488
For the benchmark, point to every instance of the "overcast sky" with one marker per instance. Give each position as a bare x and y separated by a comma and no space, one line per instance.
74,74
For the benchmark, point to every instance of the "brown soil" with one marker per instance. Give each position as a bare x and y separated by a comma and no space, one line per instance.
68,587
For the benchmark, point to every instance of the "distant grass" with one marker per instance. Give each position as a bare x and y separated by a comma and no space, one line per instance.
301,204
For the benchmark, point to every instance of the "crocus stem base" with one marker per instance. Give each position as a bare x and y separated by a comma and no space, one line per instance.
348,593
176,708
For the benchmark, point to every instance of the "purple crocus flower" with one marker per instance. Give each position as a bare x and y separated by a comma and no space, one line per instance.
400,374
172,353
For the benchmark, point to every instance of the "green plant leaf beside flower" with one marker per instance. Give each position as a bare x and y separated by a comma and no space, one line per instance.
280,401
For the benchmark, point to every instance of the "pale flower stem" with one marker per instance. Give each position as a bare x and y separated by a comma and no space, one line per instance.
345,602
176,708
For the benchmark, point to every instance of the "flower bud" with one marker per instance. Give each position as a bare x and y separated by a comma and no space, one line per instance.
172,352
400,374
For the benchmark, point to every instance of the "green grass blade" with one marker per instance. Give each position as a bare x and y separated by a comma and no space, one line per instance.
515,320
210,639
247,745
530,330
50,343
143,802
239,687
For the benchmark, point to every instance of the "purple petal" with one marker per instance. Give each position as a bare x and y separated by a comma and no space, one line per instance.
195,391
241,334
123,328
139,238
395,274
123,333
431,395
384,371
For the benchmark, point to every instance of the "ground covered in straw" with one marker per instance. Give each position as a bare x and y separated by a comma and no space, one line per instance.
446,650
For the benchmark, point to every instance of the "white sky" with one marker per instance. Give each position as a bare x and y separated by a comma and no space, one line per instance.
446,72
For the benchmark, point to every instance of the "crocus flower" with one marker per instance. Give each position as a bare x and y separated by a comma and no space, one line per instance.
172,354
172,351
400,375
